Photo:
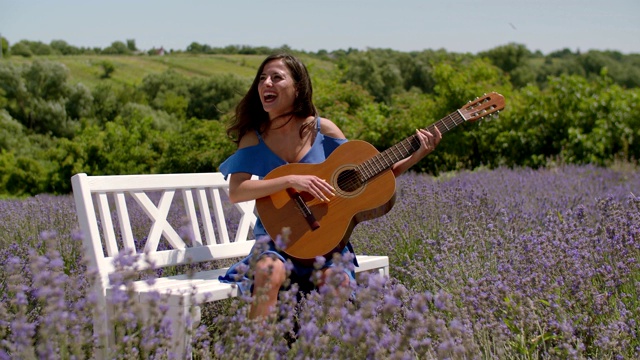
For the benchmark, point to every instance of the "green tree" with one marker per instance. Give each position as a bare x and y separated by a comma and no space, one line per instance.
457,84
11,132
47,85
21,175
109,99
416,72
523,76
161,120
168,91
200,146
106,102
573,119
465,147
108,68
12,86
37,95
131,45
375,71
127,145
508,57
621,72
21,49
62,47
4,47
79,102
342,102
195,48
215,96
25,168
564,53
46,80
555,67
116,48
28,48
51,117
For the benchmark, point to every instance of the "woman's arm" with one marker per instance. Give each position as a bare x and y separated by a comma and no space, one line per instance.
243,188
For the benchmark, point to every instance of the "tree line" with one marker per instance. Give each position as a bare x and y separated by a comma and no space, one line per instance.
521,64
51,128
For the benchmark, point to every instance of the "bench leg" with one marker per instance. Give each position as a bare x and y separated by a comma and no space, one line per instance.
184,321
102,329
384,271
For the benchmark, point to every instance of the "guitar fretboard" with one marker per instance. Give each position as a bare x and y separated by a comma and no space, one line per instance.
384,160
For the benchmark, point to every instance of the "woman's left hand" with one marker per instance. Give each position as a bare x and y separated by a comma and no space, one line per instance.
428,142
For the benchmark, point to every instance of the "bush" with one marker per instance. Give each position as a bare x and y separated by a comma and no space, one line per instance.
199,146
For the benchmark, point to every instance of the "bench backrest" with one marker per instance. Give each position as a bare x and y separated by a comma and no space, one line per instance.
179,219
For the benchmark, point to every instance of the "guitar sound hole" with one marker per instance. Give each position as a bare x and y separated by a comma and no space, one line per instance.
349,181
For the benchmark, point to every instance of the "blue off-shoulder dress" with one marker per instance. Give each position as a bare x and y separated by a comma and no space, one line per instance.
260,160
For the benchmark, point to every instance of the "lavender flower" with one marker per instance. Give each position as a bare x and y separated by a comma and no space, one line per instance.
485,264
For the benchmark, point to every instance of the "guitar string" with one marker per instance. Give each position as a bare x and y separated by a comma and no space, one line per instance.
375,165
354,180
400,151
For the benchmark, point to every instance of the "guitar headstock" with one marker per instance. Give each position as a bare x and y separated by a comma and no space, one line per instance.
482,106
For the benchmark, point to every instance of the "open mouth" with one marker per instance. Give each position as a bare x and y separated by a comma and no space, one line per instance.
269,97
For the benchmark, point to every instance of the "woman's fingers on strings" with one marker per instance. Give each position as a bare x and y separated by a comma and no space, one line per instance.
321,189
423,136
326,190
431,139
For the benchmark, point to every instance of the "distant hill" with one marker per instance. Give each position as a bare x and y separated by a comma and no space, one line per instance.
131,69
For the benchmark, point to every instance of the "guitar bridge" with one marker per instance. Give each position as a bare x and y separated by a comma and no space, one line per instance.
304,209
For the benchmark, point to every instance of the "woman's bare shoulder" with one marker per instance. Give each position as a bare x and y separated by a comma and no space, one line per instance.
329,128
248,139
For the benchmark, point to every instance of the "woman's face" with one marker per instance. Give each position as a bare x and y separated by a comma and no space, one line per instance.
277,89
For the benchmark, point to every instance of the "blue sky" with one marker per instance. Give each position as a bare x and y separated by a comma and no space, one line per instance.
404,25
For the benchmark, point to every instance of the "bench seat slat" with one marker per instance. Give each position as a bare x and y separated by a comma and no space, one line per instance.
205,285
176,284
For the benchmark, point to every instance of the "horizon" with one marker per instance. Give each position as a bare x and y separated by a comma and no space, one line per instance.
463,26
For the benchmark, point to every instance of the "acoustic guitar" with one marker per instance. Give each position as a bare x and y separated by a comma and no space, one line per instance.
365,189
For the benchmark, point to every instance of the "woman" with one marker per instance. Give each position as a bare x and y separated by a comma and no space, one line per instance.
276,123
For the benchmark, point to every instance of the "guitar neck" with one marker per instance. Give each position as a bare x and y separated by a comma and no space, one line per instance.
384,160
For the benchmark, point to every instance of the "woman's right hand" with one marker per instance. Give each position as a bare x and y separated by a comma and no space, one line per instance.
317,187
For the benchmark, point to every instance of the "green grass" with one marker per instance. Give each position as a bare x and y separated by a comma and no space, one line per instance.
131,70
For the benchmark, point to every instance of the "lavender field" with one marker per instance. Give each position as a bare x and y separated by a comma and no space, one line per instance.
486,264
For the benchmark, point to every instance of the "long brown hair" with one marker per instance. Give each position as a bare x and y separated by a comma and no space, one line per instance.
250,114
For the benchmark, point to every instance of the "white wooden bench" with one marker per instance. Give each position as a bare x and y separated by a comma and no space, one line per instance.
217,230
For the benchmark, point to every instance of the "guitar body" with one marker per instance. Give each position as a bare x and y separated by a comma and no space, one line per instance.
337,218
